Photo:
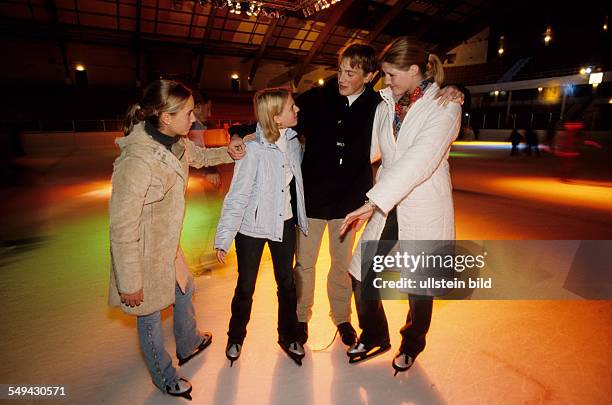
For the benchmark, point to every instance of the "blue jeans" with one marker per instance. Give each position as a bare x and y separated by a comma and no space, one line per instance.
186,335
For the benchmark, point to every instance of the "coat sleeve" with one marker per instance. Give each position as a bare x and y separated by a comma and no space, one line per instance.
375,145
198,156
131,180
237,199
418,162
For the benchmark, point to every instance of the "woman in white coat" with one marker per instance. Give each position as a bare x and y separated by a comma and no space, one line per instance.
412,197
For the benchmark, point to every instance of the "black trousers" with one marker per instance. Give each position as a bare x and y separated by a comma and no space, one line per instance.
371,313
248,252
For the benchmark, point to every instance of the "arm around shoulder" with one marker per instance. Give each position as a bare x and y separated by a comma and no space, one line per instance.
201,156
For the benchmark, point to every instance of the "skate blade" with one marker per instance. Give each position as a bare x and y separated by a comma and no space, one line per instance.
378,350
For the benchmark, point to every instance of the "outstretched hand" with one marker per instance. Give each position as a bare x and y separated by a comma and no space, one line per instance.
357,218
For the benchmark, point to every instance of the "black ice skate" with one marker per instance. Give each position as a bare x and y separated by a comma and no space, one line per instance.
232,352
206,341
402,362
182,388
294,350
359,351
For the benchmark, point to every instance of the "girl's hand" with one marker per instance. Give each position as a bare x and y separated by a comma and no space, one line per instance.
221,255
361,215
236,148
213,178
450,94
133,300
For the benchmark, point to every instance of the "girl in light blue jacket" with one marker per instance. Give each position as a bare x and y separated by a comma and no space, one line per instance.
264,204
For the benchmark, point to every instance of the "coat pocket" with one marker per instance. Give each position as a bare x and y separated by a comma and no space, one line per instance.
259,217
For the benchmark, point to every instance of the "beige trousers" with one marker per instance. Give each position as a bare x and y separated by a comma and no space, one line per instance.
339,288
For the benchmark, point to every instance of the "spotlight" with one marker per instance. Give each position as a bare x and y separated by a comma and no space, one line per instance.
235,83
547,35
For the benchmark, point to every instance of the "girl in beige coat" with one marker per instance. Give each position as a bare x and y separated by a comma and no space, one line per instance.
148,269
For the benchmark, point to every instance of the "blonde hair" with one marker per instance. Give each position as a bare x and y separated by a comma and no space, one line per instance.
160,96
405,52
268,103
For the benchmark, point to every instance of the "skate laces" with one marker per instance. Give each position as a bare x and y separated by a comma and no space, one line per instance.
328,346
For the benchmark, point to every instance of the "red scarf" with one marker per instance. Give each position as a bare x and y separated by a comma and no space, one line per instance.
403,104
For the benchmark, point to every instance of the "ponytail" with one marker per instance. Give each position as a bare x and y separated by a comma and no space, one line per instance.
160,96
435,69
133,116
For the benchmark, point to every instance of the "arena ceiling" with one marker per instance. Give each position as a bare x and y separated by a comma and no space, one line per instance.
300,32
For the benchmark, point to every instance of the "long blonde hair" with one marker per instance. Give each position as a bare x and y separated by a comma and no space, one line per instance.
404,52
268,103
159,96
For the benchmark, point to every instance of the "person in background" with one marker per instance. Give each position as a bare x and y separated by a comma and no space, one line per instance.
531,138
515,138
203,112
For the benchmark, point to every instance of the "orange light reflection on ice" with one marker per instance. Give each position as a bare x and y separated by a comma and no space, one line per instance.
480,143
552,190
96,190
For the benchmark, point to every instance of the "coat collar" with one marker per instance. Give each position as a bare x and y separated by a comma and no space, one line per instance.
141,140
387,95
261,139
167,141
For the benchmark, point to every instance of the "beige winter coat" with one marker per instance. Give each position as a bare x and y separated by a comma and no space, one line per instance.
146,217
